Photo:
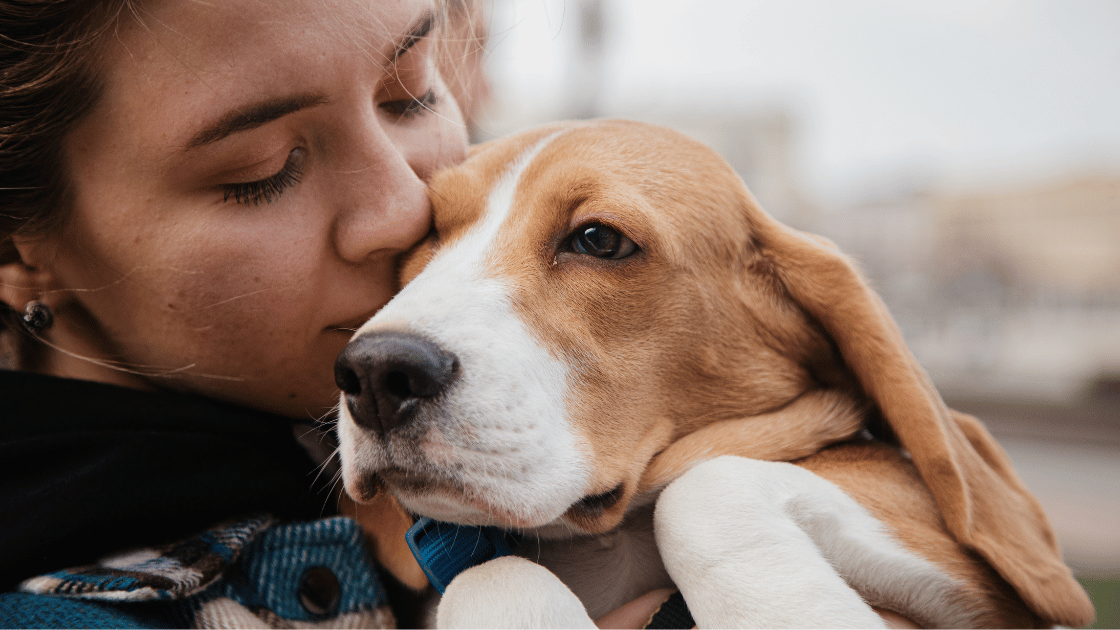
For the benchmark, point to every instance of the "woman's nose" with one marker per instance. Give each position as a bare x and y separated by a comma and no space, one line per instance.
383,203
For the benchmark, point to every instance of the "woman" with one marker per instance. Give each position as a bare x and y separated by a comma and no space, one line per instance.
200,201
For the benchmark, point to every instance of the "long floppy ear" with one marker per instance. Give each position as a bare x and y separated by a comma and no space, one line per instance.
984,503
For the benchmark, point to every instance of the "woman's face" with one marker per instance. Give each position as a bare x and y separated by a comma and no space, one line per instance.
243,189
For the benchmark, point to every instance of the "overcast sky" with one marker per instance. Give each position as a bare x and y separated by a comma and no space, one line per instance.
965,90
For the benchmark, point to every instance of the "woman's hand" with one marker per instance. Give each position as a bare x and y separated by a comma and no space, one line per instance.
635,614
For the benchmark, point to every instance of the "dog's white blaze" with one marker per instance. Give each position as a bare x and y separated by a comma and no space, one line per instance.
474,247
503,429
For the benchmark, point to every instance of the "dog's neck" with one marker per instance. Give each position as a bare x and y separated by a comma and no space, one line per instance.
605,570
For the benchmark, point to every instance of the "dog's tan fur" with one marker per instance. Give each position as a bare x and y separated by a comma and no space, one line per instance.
729,333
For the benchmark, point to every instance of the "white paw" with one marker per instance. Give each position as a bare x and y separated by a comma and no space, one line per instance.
510,592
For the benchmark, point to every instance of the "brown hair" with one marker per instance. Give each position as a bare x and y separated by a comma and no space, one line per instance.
460,57
46,86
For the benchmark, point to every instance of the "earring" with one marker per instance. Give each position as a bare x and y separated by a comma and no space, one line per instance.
37,317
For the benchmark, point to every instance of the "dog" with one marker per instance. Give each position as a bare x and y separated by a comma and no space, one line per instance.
606,344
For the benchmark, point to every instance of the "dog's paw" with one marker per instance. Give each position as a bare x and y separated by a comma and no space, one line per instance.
510,592
733,541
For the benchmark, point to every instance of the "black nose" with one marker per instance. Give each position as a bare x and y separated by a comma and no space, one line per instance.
386,375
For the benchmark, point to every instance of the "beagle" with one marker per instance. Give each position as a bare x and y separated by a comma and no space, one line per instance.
606,344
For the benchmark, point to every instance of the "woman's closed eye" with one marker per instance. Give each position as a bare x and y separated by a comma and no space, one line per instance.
270,188
411,107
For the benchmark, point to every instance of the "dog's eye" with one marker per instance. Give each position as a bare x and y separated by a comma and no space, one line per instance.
601,241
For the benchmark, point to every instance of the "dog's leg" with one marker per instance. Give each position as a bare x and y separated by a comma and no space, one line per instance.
510,592
769,544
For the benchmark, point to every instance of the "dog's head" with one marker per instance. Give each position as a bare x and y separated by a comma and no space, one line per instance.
589,295
600,305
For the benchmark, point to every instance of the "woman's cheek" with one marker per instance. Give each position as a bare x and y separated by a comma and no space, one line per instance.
223,299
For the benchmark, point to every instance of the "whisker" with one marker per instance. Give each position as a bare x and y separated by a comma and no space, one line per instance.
329,462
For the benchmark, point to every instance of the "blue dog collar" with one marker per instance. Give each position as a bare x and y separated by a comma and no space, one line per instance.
445,550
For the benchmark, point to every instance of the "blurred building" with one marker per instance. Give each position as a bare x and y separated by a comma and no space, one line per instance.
1008,291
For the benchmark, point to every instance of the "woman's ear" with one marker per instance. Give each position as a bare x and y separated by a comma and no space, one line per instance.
27,277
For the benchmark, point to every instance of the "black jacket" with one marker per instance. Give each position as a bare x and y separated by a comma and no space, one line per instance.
87,469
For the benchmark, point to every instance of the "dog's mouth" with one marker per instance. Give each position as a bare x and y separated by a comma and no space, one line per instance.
449,501
403,481
396,481
598,503
446,500
588,512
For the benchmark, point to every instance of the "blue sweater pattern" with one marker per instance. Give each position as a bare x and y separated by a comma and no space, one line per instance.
251,573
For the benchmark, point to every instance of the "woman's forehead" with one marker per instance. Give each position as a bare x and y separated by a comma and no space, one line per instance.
173,66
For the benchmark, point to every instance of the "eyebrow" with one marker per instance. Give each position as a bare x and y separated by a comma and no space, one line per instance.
415,34
253,116
257,114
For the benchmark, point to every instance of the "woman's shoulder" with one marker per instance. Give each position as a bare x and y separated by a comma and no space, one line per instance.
255,572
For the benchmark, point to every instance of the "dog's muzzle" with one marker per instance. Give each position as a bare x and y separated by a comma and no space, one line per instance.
386,376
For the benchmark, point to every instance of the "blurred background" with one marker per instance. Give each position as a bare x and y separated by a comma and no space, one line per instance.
965,152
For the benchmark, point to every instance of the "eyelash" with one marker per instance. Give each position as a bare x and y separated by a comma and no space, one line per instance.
412,107
270,188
